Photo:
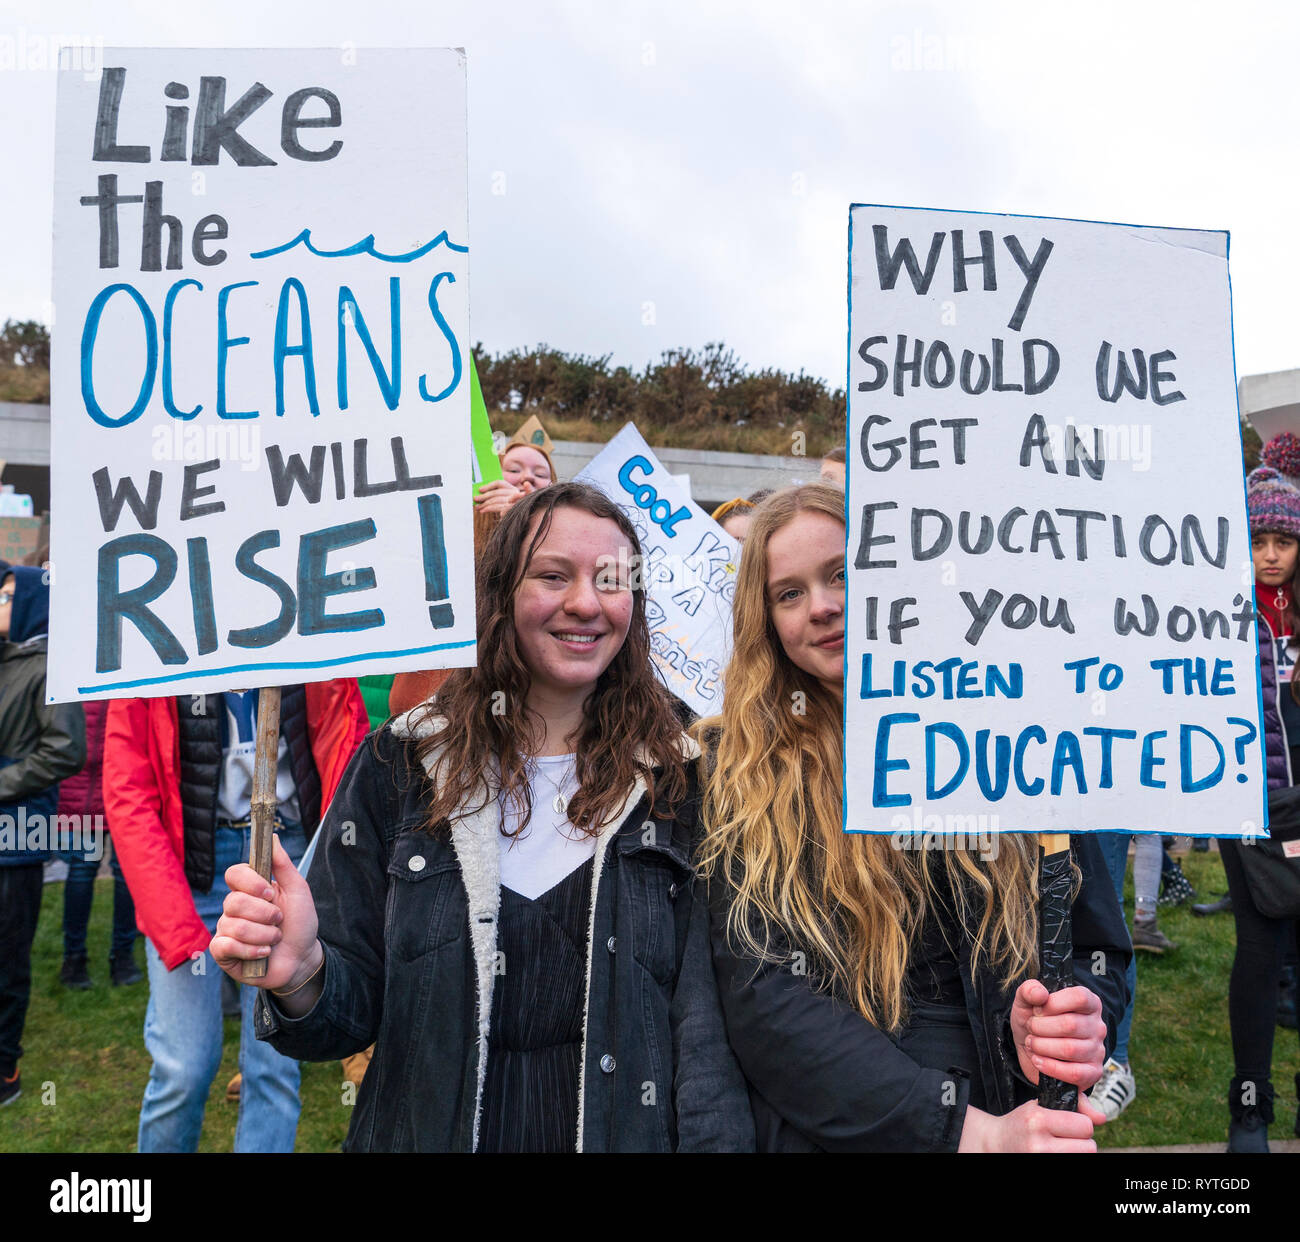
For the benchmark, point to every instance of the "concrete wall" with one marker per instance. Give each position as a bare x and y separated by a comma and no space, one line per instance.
24,433
715,477
1271,402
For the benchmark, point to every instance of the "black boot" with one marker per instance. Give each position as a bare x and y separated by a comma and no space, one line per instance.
1297,1096
74,973
1250,1107
123,970
1222,906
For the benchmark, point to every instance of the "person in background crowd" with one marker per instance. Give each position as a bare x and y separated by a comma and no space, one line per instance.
375,690
40,745
1117,1086
527,468
81,797
1286,988
1223,905
1175,888
734,517
81,801
177,785
1274,510
1147,855
877,999
553,836
1282,453
833,468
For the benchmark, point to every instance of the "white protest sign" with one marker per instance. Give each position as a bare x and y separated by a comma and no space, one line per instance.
689,569
1050,609
260,387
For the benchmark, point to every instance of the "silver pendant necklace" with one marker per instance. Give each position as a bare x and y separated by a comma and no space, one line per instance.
559,804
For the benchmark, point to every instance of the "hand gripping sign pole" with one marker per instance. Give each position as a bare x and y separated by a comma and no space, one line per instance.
1055,947
263,804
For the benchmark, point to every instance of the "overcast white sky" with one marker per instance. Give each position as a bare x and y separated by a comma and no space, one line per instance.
692,163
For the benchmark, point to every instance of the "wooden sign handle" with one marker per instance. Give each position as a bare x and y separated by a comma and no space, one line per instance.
263,804
1055,947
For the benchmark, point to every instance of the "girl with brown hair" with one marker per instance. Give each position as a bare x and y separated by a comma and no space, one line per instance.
877,997
503,900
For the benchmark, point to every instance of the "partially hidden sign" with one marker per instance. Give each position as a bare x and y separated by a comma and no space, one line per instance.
688,569
261,373
1050,609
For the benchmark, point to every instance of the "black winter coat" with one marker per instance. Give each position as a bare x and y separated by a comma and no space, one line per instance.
821,1077
408,925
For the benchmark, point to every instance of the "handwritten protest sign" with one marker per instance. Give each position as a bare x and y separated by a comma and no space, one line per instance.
1050,612
689,569
260,398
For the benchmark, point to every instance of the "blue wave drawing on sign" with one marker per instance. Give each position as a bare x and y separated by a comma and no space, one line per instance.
365,246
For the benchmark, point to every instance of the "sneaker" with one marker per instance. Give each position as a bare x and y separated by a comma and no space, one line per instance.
10,1088
123,971
1176,889
1149,938
74,973
1115,1089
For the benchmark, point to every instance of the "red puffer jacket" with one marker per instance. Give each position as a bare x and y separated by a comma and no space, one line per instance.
82,793
142,799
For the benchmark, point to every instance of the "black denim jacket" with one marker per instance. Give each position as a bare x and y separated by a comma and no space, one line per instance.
408,924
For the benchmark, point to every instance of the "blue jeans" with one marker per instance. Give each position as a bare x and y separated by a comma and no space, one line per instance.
1114,849
78,895
183,1033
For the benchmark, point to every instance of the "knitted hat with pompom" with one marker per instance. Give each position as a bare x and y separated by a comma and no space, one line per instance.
1282,452
1272,503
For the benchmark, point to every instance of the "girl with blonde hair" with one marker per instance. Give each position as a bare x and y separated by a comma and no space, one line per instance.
877,997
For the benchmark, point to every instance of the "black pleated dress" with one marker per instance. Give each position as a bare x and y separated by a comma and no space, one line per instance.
530,1095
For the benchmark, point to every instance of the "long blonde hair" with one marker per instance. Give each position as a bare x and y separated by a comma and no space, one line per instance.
772,813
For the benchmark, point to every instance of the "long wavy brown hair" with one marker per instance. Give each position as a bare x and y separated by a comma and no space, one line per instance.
855,904
629,728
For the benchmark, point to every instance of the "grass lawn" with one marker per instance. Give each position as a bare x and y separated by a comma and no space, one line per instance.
84,1066
88,1048
1180,1050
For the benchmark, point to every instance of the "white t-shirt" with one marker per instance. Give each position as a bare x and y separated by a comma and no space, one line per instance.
239,746
549,848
